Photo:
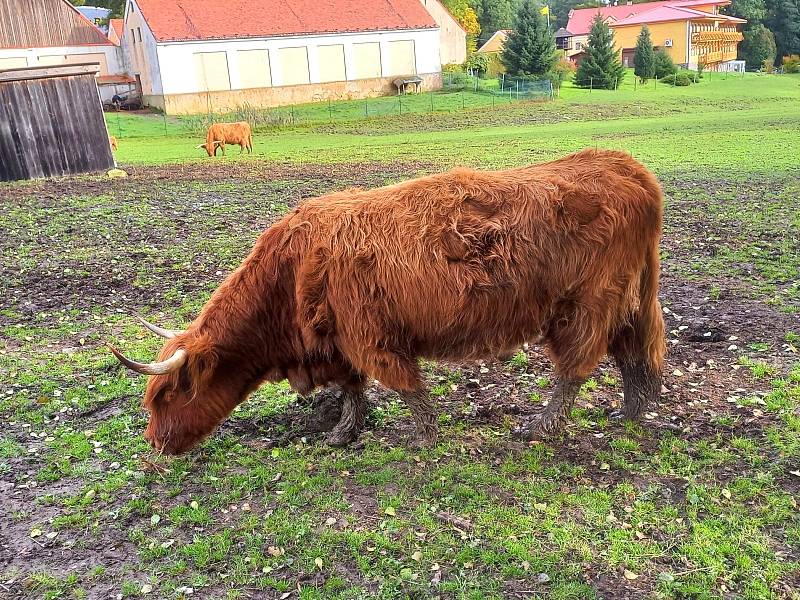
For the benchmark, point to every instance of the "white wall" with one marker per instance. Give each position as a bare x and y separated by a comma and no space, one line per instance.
175,60
32,56
141,58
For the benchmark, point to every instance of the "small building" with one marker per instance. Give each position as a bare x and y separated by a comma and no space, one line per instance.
494,45
452,37
51,123
54,34
197,56
563,39
692,32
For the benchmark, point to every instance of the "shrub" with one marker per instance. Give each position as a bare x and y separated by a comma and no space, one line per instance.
478,62
758,46
677,79
791,63
664,65
562,70
768,66
453,68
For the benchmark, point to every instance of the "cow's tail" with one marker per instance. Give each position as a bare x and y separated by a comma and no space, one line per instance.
649,322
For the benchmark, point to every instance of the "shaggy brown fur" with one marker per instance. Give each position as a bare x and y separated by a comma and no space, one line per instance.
220,134
461,265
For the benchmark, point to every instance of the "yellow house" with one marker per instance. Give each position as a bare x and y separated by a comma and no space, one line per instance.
692,32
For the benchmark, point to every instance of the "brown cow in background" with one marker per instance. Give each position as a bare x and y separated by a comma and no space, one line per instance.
220,134
462,265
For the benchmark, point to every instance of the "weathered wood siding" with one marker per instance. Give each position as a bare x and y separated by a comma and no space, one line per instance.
45,23
52,126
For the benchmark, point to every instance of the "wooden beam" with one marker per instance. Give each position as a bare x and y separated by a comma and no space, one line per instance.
47,72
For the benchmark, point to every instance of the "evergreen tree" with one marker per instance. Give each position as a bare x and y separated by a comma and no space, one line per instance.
494,15
530,48
758,47
664,65
644,59
783,18
600,66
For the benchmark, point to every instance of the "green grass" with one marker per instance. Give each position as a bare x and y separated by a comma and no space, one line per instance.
699,500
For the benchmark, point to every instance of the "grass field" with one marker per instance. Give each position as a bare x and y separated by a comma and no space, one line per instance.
698,501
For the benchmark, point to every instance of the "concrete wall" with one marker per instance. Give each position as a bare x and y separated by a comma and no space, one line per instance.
268,97
175,61
452,38
109,57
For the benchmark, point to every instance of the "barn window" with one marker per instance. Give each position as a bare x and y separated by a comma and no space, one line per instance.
254,71
331,63
402,60
294,65
133,36
367,59
212,71
139,33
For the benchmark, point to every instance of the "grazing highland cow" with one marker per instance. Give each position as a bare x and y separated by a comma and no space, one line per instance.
462,265
220,134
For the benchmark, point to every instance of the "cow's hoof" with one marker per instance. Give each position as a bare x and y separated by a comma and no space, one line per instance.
540,430
420,442
339,439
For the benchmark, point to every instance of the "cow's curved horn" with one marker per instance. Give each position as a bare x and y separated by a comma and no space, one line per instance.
159,331
219,142
200,146
172,364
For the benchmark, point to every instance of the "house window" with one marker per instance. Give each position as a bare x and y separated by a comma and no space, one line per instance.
402,60
367,59
139,33
211,69
331,63
294,65
133,37
578,45
254,69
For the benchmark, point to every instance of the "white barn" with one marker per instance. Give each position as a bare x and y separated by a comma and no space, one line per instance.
194,56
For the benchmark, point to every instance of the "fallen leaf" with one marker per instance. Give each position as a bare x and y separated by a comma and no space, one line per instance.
193,504
318,562
630,575
390,511
330,521
154,520
147,588
90,494
417,556
726,492
540,506
36,532
273,551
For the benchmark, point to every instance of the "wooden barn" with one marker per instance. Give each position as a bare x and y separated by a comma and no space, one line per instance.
51,123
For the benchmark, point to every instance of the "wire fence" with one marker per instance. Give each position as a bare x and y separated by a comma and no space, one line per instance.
459,92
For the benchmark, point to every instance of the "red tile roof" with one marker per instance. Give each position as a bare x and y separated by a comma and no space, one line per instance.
177,20
580,20
117,26
673,13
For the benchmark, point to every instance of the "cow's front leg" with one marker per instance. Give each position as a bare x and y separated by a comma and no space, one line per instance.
352,420
423,410
555,416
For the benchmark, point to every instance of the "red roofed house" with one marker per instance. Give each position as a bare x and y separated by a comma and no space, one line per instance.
194,56
690,31
115,29
55,34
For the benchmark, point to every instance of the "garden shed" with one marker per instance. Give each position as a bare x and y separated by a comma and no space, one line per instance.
51,122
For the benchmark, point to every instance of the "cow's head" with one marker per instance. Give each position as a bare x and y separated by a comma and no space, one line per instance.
193,387
211,147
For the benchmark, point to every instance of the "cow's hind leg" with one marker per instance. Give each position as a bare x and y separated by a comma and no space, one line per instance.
423,410
641,382
353,411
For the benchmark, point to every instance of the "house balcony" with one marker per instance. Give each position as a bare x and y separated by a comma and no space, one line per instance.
716,57
717,36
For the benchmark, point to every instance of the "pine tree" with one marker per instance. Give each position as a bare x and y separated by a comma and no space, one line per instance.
644,59
783,18
530,49
600,66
